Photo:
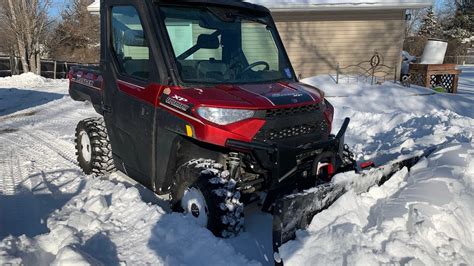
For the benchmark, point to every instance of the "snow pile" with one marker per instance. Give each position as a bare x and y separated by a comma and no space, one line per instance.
403,134
389,120
390,98
109,223
24,80
422,218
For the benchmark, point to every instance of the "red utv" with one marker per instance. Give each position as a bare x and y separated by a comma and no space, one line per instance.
200,101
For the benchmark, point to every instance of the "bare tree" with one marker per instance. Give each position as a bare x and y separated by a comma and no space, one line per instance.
24,23
77,36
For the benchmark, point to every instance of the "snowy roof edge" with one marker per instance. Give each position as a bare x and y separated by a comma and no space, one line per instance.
287,7
345,7
94,7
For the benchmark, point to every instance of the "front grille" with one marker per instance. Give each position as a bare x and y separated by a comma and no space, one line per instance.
289,132
281,112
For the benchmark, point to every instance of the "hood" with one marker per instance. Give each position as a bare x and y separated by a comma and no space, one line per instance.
252,96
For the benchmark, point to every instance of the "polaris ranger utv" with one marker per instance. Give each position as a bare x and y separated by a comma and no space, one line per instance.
200,102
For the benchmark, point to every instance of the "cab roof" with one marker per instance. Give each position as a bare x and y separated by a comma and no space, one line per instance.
222,3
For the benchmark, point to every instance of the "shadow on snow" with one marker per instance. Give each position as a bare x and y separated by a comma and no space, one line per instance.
26,212
13,100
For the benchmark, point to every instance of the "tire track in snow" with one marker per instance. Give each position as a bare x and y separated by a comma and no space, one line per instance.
10,172
25,192
15,198
31,144
63,148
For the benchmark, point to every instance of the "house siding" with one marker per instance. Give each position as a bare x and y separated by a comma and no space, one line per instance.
317,41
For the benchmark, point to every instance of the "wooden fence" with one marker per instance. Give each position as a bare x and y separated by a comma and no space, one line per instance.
49,68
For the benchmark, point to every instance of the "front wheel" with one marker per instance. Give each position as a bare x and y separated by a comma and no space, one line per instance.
93,149
204,192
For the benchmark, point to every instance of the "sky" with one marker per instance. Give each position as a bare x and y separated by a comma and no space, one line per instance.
441,4
56,7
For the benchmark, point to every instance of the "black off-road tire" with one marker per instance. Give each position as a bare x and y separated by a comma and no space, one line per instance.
93,149
225,216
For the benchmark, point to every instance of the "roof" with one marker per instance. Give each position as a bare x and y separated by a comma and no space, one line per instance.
94,7
324,5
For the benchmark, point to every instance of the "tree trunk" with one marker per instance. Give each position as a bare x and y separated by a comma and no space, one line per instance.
28,36
32,62
20,42
38,64
27,20
23,56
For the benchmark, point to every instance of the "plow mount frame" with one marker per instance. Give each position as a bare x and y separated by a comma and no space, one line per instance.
294,211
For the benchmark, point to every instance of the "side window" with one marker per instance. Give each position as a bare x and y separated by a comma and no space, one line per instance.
129,42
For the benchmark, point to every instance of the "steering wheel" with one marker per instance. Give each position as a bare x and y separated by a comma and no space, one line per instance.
258,63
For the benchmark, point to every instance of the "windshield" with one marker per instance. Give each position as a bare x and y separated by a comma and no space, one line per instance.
214,45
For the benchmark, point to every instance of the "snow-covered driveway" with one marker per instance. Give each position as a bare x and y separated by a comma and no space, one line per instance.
51,213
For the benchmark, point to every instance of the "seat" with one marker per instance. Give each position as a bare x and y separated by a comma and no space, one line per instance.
138,68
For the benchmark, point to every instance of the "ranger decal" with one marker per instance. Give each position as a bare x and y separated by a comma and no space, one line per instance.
174,103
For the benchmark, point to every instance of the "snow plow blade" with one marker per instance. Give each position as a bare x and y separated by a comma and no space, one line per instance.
296,211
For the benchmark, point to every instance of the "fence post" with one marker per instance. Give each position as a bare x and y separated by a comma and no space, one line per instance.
337,73
11,65
17,69
54,71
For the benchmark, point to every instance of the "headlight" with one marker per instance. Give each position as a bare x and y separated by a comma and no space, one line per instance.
222,116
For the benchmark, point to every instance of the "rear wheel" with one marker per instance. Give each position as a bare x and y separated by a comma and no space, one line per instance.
93,149
204,192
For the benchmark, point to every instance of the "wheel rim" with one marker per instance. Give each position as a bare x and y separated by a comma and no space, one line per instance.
85,149
194,204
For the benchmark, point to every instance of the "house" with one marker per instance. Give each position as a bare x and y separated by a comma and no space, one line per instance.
94,7
319,34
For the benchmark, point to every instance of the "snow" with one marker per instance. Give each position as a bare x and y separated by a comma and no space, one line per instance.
282,5
422,218
23,80
50,213
466,83
395,120
277,5
94,7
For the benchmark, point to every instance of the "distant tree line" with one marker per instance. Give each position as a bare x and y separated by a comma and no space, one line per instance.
29,33
454,23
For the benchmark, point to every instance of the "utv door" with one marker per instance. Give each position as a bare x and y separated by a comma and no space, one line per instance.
129,69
